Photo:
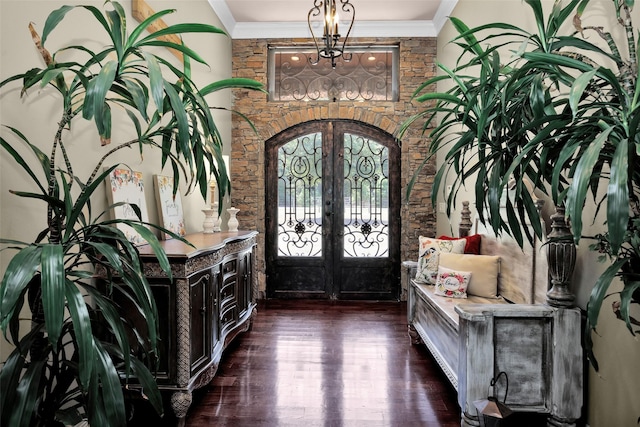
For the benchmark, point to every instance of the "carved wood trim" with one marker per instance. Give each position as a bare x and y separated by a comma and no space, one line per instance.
184,333
205,377
435,352
198,263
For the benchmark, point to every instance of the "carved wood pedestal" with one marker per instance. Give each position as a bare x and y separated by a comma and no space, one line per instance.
207,304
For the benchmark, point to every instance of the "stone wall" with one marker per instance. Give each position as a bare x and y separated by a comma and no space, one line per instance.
417,63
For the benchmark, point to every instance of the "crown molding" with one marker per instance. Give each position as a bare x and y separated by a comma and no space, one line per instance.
382,29
224,14
443,13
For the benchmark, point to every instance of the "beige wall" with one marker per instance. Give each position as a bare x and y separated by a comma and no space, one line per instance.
37,113
614,391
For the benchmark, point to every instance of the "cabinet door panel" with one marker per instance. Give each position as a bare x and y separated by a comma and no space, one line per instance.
200,319
164,294
244,281
228,291
215,304
230,266
227,318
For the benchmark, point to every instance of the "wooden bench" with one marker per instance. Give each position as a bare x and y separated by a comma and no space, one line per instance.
537,345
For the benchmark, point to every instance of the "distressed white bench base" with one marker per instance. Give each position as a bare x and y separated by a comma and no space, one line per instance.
538,346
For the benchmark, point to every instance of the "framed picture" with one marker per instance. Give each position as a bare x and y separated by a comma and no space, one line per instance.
126,186
169,207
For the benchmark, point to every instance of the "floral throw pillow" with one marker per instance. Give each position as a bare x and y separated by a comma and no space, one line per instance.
429,255
452,283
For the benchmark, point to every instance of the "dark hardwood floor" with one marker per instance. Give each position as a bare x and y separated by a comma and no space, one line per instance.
326,363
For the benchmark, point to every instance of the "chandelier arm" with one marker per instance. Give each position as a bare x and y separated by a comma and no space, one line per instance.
348,8
315,11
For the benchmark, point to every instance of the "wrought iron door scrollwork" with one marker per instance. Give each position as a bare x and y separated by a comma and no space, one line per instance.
366,197
299,197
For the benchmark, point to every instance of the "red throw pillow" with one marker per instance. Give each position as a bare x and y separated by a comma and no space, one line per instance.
472,246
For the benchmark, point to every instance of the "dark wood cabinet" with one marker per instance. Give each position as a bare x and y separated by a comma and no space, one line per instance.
202,309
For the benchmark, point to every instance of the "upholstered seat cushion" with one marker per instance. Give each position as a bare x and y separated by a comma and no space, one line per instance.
447,306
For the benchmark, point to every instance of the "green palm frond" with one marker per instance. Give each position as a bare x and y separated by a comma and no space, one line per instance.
80,353
550,114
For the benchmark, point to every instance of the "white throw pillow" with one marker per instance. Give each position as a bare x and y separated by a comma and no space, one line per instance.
429,255
452,283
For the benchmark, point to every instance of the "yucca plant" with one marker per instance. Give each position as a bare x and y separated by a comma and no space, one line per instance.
545,108
73,361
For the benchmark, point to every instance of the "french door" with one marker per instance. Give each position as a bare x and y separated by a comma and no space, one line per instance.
333,212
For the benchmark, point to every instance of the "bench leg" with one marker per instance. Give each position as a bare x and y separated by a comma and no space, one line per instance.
557,422
469,420
414,336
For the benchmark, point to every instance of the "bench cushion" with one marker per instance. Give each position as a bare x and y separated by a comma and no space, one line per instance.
447,306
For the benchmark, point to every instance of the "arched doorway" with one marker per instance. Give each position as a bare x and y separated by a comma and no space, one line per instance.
333,212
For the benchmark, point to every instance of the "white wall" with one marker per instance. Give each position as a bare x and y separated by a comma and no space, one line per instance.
36,114
613,394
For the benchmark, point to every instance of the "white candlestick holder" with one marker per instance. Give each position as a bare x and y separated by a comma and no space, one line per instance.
233,221
209,221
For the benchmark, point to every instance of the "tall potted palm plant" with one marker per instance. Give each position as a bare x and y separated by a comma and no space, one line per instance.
552,108
70,363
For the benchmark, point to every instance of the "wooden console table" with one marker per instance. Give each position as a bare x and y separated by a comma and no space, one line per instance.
207,304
